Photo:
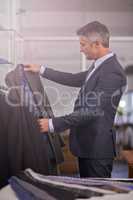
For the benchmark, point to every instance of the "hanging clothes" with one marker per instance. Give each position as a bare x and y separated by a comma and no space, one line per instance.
26,90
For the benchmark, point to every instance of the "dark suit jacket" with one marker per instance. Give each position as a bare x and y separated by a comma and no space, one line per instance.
91,132
21,144
4,115
14,78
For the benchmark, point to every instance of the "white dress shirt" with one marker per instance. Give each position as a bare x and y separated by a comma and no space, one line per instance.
97,63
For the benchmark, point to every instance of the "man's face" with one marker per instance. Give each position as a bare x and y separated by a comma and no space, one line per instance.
89,48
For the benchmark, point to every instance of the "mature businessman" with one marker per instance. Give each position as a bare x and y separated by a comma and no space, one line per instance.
92,137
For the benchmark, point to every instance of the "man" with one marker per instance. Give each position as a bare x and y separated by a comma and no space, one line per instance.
92,138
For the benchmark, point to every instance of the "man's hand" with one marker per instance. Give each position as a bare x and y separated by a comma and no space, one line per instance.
43,124
32,67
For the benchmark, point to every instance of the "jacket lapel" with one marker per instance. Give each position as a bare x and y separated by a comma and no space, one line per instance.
34,82
91,82
38,92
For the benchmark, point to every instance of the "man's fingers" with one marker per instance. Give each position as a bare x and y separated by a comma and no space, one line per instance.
42,125
40,122
32,67
27,67
41,128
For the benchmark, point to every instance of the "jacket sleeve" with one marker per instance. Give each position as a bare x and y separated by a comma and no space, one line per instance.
95,104
74,119
64,78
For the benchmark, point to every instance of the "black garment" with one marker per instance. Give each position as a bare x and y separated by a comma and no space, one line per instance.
95,167
21,144
26,147
29,92
4,115
91,133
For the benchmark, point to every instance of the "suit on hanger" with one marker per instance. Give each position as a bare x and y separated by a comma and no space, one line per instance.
21,144
40,107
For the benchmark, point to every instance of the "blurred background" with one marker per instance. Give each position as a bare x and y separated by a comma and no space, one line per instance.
44,32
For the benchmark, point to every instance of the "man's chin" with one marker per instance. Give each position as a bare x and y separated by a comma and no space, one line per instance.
88,57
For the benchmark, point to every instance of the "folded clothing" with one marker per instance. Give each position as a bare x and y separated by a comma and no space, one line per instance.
35,189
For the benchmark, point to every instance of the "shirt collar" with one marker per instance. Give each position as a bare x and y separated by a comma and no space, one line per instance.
99,61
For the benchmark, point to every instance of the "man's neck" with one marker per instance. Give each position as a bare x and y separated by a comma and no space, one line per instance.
104,52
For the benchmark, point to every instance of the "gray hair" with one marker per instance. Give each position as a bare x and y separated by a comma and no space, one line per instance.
95,31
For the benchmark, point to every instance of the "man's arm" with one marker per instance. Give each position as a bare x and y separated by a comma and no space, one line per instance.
74,119
108,88
64,78
59,124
